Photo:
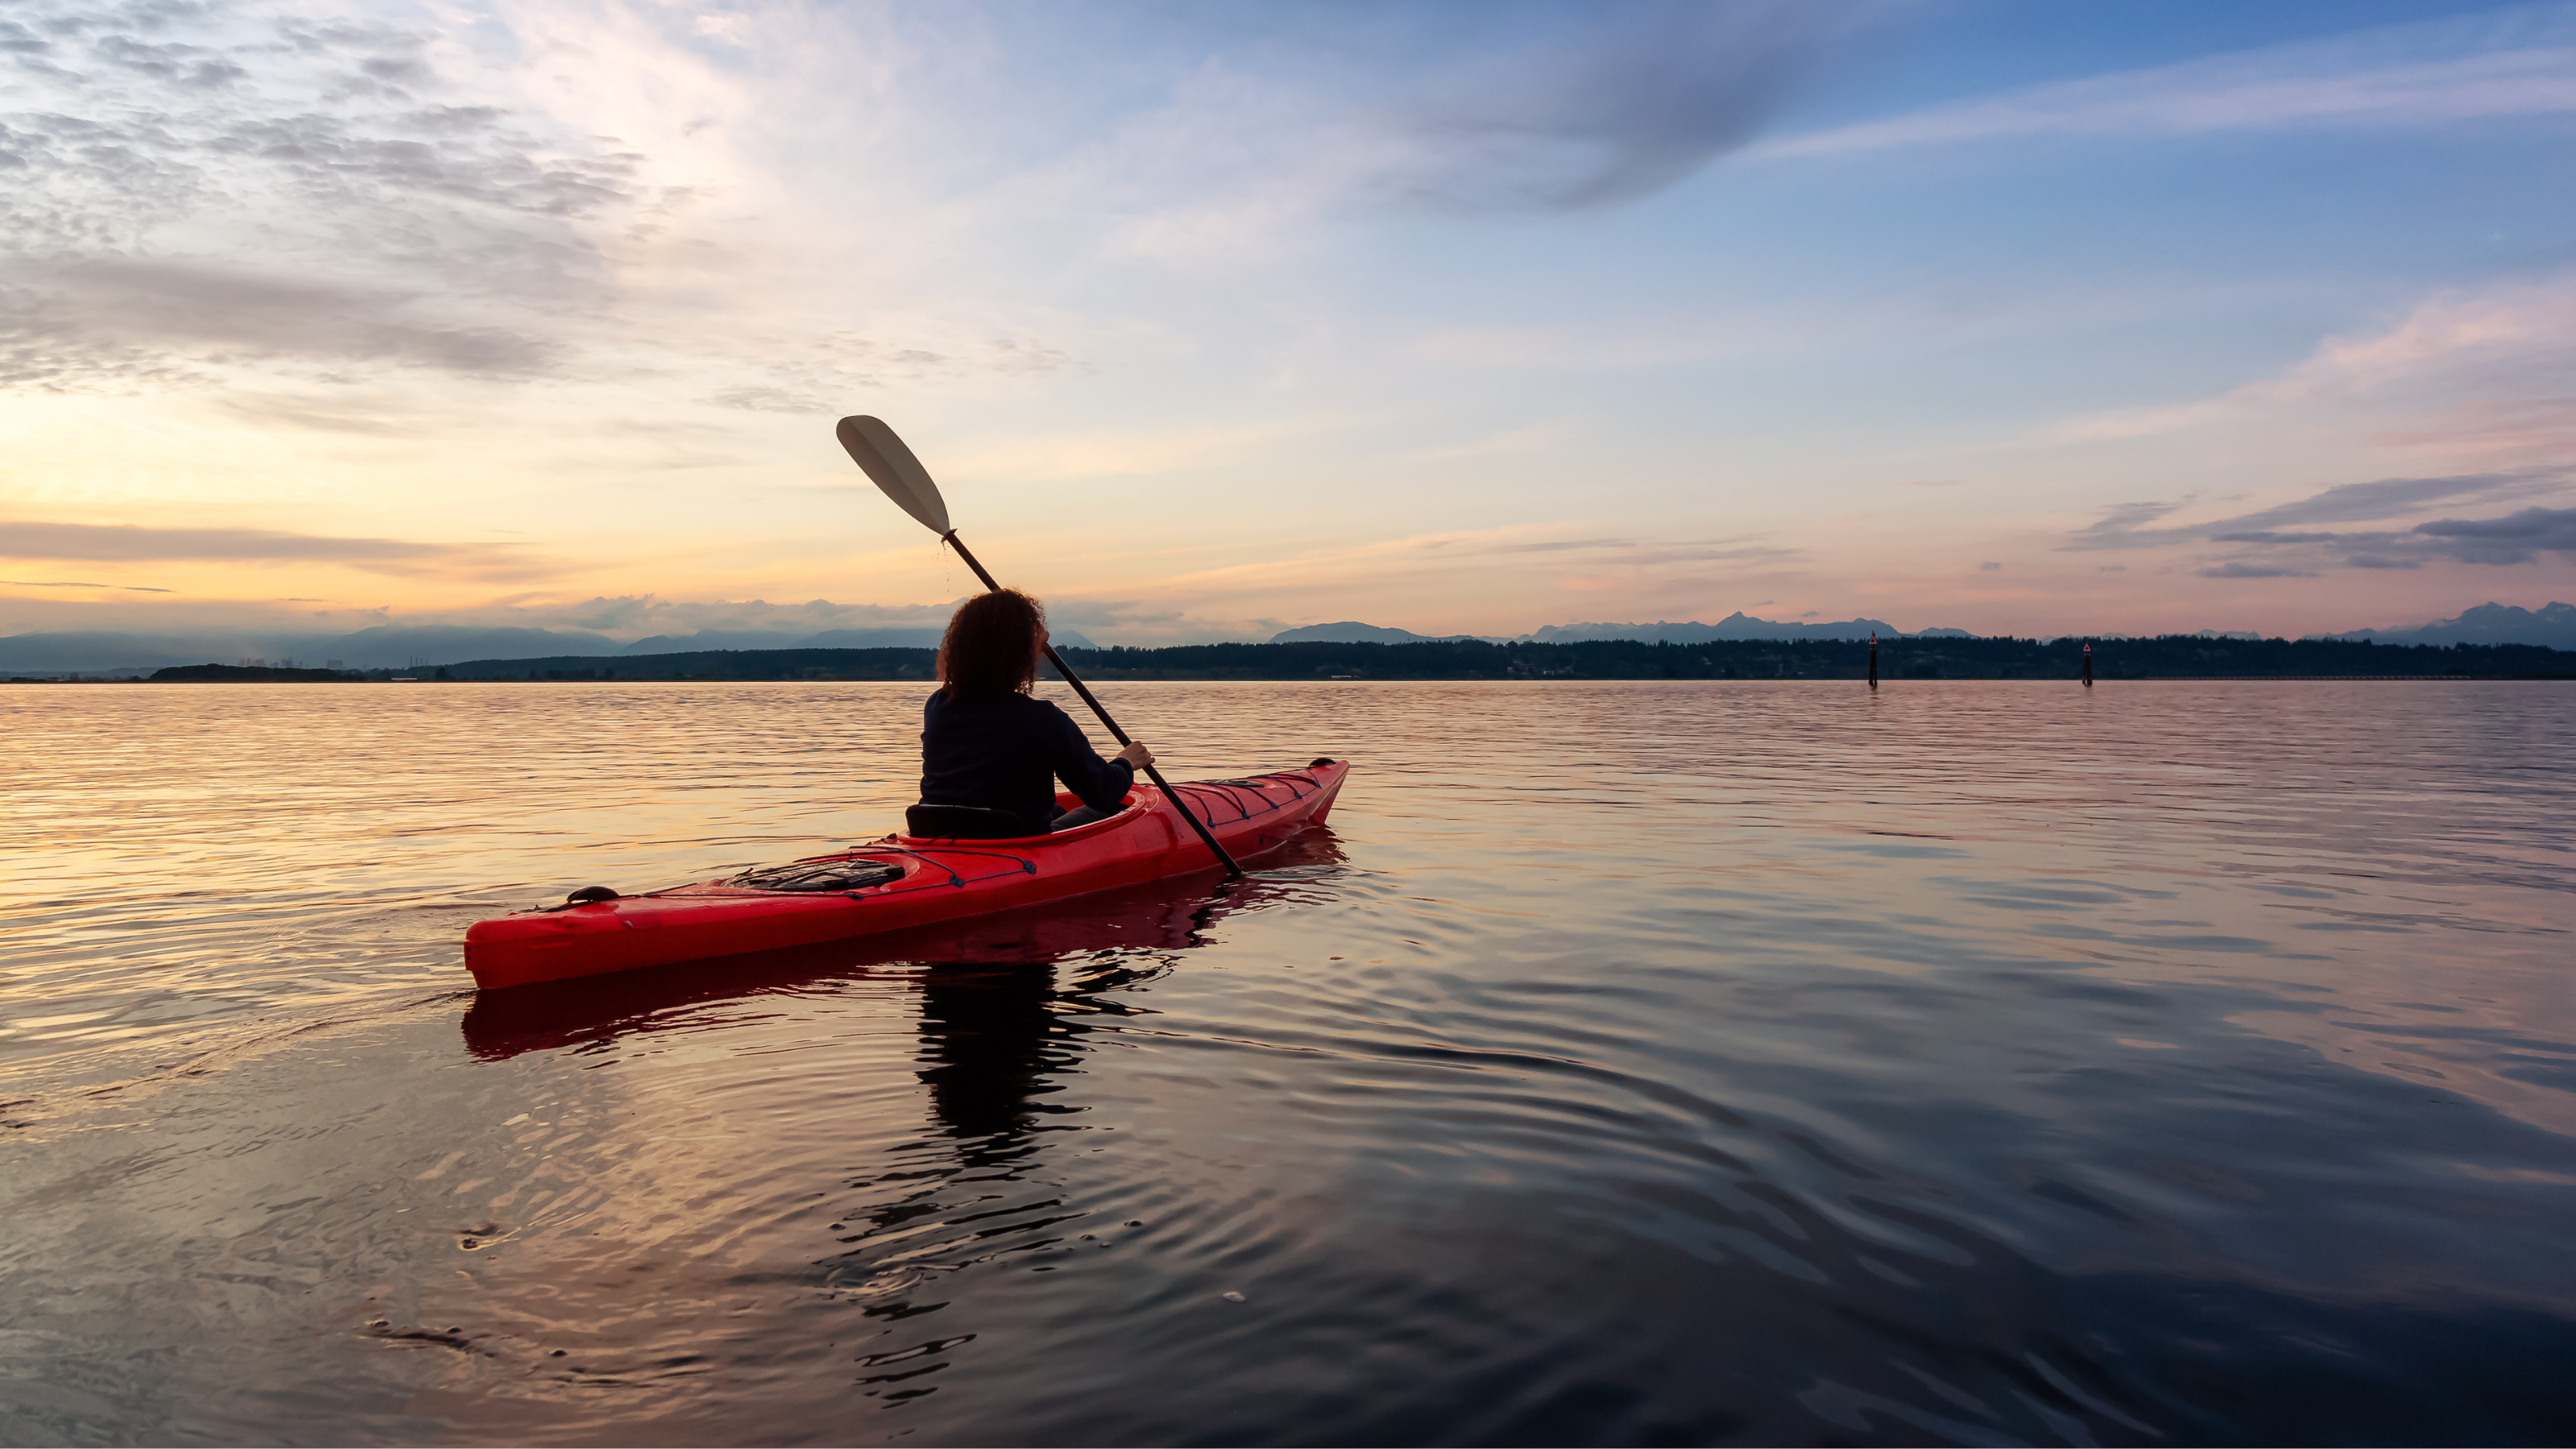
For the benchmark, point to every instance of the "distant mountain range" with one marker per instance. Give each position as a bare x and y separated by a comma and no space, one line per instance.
705,639
2552,625
1352,631
388,646
1734,626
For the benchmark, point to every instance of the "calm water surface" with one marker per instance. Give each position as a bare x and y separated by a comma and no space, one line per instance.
1628,1063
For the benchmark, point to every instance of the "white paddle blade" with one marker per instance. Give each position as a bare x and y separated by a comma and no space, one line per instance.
874,447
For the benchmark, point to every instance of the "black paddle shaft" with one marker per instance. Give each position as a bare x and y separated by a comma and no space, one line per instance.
1231,869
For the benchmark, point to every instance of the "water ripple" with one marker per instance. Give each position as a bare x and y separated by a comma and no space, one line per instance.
1647,1063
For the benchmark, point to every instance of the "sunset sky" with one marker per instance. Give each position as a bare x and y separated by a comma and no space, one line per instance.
1218,319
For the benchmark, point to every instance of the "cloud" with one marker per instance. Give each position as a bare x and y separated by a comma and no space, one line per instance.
2293,552
633,616
364,215
218,194
114,321
50,584
638,615
2393,497
1988,568
2514,538
730,29
339,117
45,347
2127,525
2124,525
372,417
1499,111
132,543
772,399
2494,430
2507,339
1646,95
2411,75
1633,551
2251,571
1588,561
820,375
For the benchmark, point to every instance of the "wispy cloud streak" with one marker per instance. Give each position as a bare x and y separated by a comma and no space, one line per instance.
2518,65
2510,338
2281,541
135,543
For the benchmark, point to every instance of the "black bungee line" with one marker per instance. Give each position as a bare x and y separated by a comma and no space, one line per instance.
1243,812
1209,812
1288,778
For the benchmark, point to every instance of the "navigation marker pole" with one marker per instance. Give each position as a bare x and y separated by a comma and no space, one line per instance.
876,449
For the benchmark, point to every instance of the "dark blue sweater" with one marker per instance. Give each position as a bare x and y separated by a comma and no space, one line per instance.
1007,753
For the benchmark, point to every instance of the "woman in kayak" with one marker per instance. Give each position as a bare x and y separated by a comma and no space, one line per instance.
987,745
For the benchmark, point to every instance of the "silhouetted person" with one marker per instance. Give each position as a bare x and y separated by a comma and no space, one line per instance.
989,747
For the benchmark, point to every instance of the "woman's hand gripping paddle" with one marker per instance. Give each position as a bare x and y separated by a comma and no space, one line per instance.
876,449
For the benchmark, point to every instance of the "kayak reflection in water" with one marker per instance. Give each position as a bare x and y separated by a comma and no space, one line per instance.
1094,943
990,752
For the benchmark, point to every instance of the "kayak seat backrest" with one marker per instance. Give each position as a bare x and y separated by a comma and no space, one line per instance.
963,822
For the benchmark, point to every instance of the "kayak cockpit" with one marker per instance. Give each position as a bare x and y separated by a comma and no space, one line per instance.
1129,811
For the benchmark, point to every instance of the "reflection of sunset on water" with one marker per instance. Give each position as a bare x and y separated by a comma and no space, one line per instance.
1743,1054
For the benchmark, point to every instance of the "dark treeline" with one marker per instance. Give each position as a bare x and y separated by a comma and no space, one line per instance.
2171,657
246,674
2177,656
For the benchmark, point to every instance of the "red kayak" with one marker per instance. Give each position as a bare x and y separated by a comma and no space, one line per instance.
899,882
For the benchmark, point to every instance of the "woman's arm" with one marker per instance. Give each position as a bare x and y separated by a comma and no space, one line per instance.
1100,784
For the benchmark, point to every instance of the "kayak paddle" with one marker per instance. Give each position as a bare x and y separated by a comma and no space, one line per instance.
876,449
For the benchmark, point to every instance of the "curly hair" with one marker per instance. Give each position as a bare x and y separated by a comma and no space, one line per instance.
991,647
